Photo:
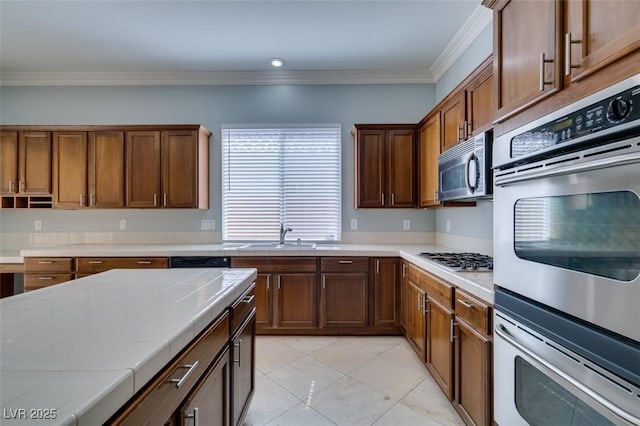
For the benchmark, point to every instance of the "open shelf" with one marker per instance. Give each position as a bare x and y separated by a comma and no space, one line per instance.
27,201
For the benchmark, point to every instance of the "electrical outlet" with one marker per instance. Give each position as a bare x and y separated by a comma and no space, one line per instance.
207,224
122,224
354,224
406,224
37,225
448,226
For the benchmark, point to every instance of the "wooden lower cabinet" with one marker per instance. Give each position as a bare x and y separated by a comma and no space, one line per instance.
264,310
440,345
93,265
295,300
450,331
386,292
207,404
404,296
473,375
243,362
344,300
40,272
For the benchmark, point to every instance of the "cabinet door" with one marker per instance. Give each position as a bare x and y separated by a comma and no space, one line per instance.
344,299
602,32
296,300
370,151
70,170
524,32
429,150
416,332
440,345
8,161
401,169
264,306
481,105
473,375
143,168
179,169
454,121
208,403
385,290
243,349
405,297
34,162
106,169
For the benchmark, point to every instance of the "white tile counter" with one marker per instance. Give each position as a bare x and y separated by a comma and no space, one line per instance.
85,347
477,284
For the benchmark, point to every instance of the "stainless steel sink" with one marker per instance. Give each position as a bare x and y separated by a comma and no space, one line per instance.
277,246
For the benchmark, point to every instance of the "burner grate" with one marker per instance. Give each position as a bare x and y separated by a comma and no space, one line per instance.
471,262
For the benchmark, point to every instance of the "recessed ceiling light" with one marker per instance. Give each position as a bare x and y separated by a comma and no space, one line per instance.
277,62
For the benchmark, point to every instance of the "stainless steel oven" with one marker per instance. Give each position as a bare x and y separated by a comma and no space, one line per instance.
567,239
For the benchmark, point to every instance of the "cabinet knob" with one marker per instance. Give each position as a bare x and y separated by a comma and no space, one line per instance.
567,53
193,415
543,82
239,346
190,369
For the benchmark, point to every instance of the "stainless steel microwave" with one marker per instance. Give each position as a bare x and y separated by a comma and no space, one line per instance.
464,171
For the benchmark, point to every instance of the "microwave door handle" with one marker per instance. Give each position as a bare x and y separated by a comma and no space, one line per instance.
503,332
551,171
473,186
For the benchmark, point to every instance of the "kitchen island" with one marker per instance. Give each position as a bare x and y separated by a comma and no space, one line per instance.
81,352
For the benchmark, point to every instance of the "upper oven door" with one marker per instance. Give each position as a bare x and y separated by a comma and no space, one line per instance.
567,235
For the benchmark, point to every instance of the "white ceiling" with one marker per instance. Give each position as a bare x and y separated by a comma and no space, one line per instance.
229,42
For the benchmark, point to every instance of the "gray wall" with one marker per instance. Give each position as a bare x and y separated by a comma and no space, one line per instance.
214,106
466,221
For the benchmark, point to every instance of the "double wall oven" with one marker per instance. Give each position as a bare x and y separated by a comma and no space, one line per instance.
567,264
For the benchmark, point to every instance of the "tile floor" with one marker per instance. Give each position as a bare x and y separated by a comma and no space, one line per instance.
350,381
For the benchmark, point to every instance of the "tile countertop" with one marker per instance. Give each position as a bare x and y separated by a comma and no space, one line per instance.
478,284
85,347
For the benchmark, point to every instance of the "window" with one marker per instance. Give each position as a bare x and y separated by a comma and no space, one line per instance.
287,175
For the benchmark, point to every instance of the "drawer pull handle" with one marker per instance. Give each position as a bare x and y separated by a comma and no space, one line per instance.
45,262
193,416
96,262
248,299
465,304
144,262
45,278
179,382
239,346
345,262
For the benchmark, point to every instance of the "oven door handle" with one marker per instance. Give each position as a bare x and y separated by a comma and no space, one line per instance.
551,171
502,331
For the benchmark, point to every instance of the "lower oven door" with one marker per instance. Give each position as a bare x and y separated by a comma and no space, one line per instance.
569,236
540,383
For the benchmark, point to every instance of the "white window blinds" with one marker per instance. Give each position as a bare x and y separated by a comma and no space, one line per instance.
281,175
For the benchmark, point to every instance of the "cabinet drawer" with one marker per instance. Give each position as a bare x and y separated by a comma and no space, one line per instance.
276,264
48,264
158,400
344,264
438,290
36,281
100,264
242,308
473,311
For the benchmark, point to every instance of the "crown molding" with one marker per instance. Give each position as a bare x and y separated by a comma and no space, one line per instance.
226,78
471,29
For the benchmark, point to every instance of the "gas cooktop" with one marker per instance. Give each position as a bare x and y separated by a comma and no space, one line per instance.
463,262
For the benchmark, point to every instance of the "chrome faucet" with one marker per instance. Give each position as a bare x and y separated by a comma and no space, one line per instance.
283,232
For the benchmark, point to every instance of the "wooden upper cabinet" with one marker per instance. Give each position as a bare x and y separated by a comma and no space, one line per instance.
370,167
528,60
429,149
598,33
481,101
143,168
179,168
25,162
454,120
401,170
106,169
70,169
8,161
385,165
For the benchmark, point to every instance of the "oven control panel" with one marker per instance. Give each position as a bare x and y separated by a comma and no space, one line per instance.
608,113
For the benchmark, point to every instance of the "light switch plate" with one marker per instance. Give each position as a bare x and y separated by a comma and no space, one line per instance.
406,224
122,224
448,226
354,224
37,225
